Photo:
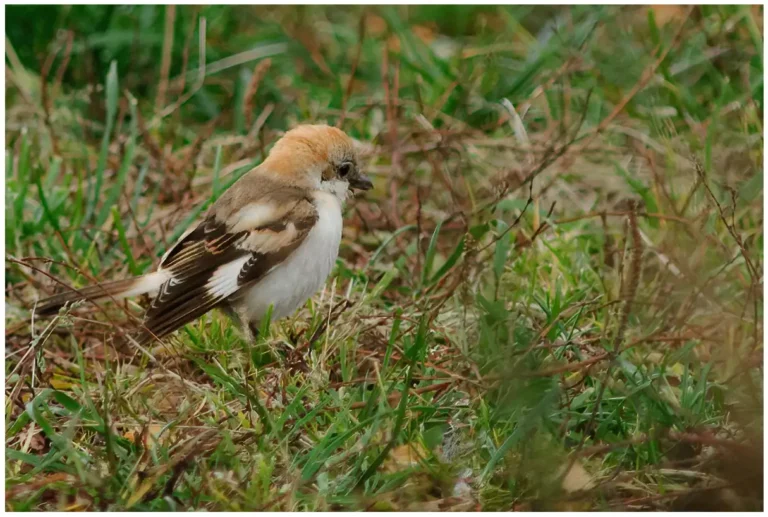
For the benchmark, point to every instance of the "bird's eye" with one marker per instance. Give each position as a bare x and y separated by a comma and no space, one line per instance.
344,169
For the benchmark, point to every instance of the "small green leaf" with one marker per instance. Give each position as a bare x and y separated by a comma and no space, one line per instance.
134,269
122,174
393,336
418,350
384,244
112,90
266,321
429,258
387,279
52,218
18,425
653,28
433,437
138,186
501,251
68,402
752,188
449,263
479,230
216,171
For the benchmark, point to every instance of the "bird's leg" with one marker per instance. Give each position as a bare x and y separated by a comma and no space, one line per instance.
230,312
252,329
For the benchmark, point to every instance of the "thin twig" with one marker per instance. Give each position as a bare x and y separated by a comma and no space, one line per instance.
259,71
355,63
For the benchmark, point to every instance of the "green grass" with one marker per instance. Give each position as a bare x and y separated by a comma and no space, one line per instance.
505,328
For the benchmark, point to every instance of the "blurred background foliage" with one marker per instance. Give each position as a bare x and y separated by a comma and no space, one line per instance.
314,48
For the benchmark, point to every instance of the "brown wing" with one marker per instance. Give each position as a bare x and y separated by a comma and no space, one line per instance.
219,257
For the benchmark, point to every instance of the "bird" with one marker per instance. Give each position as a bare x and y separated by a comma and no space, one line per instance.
269,241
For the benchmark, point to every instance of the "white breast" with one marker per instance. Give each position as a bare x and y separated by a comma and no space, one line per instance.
305,271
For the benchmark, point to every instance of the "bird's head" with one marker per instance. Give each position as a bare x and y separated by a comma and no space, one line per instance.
320,156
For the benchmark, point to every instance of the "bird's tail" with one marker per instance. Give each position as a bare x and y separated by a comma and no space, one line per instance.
111,290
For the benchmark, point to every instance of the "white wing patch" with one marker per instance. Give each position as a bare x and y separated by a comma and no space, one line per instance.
223,282
150,283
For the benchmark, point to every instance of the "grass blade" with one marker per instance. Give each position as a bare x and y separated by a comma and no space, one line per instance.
112,92
449,263
429,258
132,267
130,148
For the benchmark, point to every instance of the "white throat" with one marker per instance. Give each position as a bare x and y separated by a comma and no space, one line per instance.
336,187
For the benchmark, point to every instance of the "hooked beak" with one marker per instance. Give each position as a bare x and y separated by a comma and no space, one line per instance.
360,182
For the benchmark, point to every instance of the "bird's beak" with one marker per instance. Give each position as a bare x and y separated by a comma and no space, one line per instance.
360,182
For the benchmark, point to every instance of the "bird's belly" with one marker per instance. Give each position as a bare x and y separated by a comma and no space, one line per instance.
290,284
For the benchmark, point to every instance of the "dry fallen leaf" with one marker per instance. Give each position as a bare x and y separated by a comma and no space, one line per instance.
151,437
665,14
375,25
404,456
576,479
63,383
393,43
424,33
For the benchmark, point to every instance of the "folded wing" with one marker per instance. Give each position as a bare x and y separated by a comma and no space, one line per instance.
224,254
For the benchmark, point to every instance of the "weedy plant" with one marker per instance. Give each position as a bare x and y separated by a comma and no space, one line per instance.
552,299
